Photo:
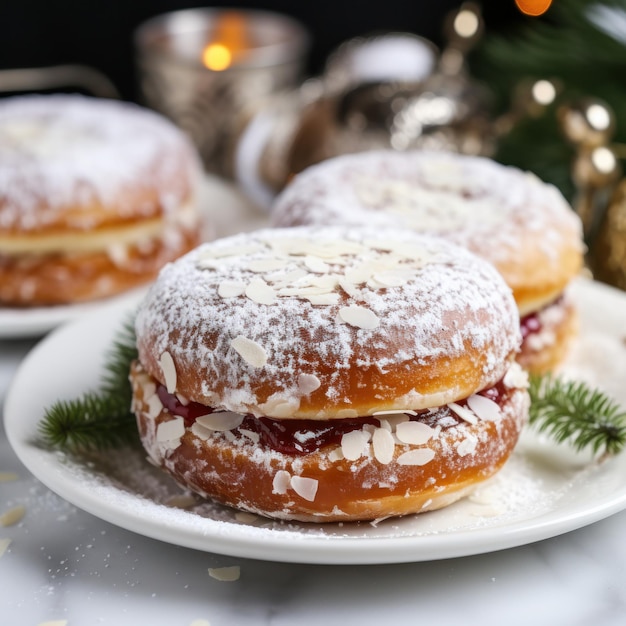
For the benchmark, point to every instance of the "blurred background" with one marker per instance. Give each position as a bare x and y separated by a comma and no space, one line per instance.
538,84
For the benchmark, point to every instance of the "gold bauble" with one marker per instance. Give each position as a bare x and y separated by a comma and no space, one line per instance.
588,122
608,253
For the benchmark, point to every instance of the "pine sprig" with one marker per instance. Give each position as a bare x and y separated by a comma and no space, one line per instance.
571,412
99,419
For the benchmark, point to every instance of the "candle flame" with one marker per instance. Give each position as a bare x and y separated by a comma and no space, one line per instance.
534,8
229,39
217,57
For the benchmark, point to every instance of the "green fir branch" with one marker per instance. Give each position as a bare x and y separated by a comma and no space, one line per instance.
571,412
100,419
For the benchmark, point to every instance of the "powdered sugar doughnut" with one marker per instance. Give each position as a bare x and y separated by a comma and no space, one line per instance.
511,218
95,196
276,364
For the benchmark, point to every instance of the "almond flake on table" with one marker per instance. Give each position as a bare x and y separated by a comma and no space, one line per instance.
6,477
5,542
13,516
54,622
200,622
225,574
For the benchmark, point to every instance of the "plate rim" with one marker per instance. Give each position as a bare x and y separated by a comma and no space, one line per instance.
277,545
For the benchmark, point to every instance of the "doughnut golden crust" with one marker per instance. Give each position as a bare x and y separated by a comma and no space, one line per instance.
95,196
520,224
333,332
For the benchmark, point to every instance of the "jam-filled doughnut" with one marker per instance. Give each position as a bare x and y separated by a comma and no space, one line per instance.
509,217
327,374
95,197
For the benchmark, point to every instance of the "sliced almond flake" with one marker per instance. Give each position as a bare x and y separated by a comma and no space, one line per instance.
148,389
260,292
396,412
516,377
465,447
169,371
171,430
250,434
326,299
304,291
280,280
354,444
267,265
246,518
335,455
328,281
181,501
250,351
231,289
316,265
463,412
305,487
5,542
200,622
419,456
221,421
281,482
392,278
201,432
225,574
308,383
209,264
155,406
6,477
13,516
484,408
54,622
182,399
386,425
383,445
415,433
359,316
349,288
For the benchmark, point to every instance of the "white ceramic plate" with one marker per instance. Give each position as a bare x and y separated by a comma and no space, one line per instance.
543,491
36,321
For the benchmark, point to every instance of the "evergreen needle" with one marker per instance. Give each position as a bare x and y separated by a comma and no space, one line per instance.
572,412
98,419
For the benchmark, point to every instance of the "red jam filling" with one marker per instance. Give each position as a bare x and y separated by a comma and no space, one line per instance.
531,324
300,436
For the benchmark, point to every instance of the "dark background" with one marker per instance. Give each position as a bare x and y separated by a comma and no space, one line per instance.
38,33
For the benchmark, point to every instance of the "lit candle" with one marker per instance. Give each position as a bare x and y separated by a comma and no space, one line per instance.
204,67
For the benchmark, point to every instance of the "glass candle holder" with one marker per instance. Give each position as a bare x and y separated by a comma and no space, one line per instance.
203,67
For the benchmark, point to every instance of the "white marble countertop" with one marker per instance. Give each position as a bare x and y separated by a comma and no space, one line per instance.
66,567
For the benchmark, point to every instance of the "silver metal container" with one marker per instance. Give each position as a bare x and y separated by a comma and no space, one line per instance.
269,52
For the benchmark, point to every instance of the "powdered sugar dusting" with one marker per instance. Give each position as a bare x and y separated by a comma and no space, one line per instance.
65,150
452,301
472,201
